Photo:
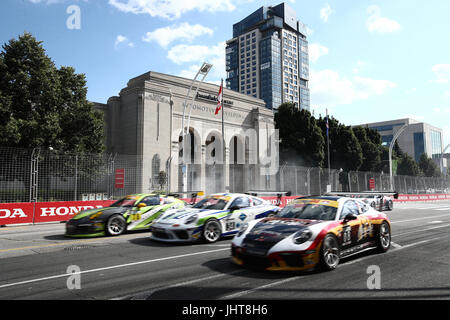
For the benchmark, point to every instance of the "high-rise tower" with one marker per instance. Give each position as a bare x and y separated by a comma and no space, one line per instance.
267,57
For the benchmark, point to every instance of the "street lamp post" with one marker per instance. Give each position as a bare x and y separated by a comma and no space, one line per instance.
203,71
441,161
391,146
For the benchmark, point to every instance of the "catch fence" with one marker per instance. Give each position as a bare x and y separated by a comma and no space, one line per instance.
38,175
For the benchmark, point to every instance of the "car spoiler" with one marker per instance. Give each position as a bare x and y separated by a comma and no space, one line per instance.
194,195
268,193
364,193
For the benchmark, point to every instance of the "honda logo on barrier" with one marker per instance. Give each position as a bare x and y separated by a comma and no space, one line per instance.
16,213
63,211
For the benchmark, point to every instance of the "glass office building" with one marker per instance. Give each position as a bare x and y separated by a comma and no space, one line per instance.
267,57
418,137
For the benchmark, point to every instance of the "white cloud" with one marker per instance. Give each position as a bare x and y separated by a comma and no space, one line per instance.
195,55
442,72
325,13
315,51
360,66
377,23
170,9
328,88
184,31
52,1
123,40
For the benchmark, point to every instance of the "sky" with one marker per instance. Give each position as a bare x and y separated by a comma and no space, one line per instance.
370,61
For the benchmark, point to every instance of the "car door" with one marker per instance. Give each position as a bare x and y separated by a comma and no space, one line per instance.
349,237
240,212
365,232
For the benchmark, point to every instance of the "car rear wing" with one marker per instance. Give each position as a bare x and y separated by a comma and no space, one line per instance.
268,193
194,195
393,194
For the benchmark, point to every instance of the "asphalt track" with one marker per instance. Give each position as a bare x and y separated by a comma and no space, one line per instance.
35,264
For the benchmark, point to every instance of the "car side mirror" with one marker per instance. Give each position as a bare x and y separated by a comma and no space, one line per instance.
234,208
141,205
350,216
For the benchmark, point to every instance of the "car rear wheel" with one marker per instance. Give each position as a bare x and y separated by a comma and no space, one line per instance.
212,231
384,237
329,253
116,225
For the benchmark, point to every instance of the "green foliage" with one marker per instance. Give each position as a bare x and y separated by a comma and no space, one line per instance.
301,138
428,167
43,106
370,141
407,166
345,149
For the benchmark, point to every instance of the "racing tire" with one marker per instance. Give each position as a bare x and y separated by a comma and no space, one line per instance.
212,231
384,237
390,205
116,225
329,253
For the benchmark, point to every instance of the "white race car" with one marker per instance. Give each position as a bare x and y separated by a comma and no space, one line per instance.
211,218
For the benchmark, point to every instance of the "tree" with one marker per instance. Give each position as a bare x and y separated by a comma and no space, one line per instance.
345,150
370,141
301,138
428,167
42,106
407,166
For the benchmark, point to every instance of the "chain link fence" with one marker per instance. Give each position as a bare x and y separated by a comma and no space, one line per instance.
39,175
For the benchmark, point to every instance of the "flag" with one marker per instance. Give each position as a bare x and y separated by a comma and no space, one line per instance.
219,100
326,123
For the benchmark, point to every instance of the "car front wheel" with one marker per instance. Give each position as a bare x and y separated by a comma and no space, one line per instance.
116,225
212,231
329,253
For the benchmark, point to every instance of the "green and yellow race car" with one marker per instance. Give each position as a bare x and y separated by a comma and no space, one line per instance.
131,213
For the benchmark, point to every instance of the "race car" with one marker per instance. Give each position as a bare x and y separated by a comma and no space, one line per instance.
133,212
211,218
310,232
376,199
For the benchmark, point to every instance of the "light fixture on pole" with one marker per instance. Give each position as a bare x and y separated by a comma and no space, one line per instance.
391,146
441,161
203,71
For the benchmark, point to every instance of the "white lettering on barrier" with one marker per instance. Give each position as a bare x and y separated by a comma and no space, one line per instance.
17,213
63,211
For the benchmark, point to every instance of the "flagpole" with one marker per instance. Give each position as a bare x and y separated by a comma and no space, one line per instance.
328,144
223,131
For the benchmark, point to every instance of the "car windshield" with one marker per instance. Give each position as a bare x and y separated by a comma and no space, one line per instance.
313,210
125,202
214,203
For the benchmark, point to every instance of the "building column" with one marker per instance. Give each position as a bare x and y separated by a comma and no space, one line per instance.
203,169
226,170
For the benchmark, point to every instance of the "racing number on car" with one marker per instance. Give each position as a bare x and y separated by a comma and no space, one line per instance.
365,229
346,235
136,216
230,225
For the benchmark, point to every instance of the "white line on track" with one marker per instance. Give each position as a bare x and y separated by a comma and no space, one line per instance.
422,218
110,267
273,284
421,230
245,292
146,294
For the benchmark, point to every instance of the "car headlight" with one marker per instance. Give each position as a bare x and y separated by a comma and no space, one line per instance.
191,219
96,215
302,236
243,228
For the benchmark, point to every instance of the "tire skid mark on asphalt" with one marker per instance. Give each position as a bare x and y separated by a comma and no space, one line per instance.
109,268
145,295
99,240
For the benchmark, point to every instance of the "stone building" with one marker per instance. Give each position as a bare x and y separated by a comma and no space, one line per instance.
145,121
